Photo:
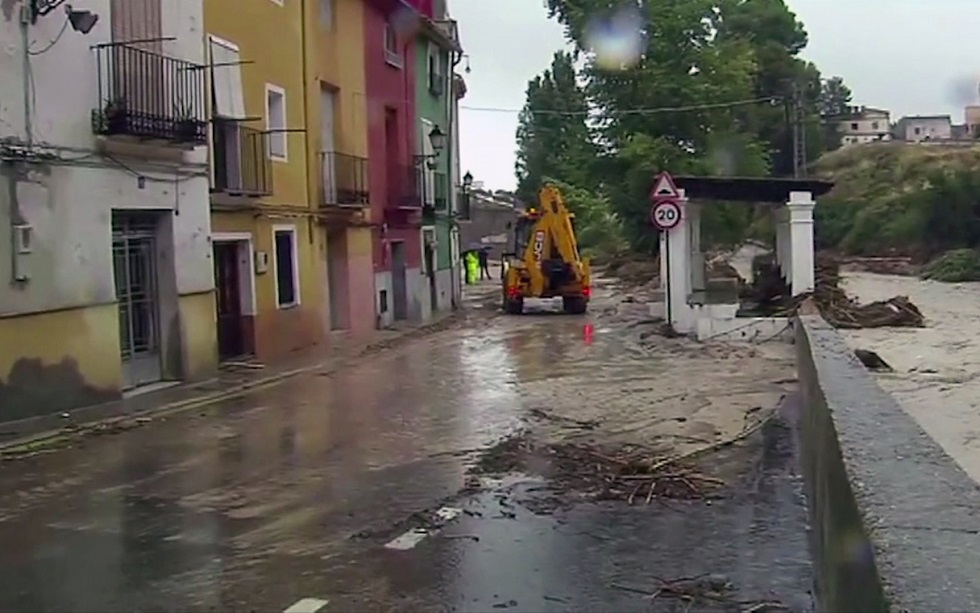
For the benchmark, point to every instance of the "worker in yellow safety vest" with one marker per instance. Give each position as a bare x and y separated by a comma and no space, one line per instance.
472,267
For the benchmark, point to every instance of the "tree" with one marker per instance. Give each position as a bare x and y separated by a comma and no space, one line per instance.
709,91
835,97
553,137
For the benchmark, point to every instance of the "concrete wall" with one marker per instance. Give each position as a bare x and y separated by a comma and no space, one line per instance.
916,129
279,331
389,87
895,521
60,329
487,219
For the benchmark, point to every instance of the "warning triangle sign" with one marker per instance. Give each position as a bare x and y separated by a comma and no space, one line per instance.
664,188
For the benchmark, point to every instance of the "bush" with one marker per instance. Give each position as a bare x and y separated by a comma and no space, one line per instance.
955,266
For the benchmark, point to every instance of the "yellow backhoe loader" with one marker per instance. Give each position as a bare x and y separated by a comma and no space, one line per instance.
545,262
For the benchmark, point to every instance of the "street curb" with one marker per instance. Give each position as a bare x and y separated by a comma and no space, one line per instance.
29,445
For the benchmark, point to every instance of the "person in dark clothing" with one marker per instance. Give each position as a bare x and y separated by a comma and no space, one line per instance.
484,256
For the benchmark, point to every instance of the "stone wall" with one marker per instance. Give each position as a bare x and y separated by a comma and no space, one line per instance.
895,521
488,220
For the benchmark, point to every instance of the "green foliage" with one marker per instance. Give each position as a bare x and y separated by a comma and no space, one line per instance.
956,266
552,136
703,58
917,200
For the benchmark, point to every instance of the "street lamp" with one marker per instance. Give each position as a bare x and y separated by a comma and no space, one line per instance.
438,140
81,21
468,180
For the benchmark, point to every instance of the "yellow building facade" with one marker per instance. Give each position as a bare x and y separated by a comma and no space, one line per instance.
267,247
338,151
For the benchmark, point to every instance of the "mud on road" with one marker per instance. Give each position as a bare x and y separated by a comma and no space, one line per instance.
488,466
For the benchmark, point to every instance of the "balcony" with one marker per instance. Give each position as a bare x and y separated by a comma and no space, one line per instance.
147,96
344,181
241,166
406,188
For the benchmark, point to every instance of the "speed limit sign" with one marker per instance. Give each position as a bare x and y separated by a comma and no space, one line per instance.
665,215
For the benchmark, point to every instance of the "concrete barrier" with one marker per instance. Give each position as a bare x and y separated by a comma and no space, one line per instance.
895,521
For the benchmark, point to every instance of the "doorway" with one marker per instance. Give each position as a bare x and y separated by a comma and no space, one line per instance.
134,264
399,281
234,308
337,280
429,255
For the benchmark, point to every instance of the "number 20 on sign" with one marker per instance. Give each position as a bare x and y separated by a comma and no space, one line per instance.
665,215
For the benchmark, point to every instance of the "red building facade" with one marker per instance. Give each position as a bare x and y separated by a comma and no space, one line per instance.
396,205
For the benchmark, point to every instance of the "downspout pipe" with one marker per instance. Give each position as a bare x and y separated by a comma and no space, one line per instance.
457,57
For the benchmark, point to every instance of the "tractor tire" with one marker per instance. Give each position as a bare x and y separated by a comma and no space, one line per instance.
574,305
514,307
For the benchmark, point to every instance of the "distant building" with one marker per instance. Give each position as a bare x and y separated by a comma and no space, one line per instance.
862,124
971,115
918,128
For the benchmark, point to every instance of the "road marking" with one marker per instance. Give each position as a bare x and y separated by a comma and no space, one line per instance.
413,537
408,540
307,605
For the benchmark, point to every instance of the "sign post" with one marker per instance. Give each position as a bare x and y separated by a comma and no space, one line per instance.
665,214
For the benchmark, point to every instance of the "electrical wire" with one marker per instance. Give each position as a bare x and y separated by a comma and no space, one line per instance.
52,43
633,111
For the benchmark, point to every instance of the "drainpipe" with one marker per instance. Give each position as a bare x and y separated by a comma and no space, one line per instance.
457,57
25,20
310,197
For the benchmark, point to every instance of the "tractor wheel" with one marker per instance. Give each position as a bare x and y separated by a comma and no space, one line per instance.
514,307
574,305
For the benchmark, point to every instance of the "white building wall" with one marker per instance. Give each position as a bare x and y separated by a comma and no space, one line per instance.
69,203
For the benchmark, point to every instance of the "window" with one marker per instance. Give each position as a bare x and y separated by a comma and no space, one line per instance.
917,130
228,98
874,125
854,126
287,268
392,56
326,13
436,76
275,118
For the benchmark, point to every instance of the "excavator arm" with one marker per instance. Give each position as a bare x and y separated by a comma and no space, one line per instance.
552,242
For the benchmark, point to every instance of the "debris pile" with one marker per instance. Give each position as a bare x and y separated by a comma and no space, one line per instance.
713,591
842,311
628,473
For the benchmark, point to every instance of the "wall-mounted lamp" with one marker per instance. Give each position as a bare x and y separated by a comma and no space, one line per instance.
438,140
81,21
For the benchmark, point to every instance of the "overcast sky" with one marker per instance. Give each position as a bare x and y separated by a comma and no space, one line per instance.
909,56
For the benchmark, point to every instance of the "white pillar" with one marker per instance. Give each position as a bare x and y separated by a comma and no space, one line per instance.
802,274
697,256
780,218
677,284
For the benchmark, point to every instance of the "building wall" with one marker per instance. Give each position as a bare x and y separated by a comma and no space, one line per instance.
971,115
433,110
247,24
60,329
334,66
391,87
865,128
487,221
916,129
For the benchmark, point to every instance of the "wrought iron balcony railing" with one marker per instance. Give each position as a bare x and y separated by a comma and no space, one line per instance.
241,166
406,187
149,96
344,180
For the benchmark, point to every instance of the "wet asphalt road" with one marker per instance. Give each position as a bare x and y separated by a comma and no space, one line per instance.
294,492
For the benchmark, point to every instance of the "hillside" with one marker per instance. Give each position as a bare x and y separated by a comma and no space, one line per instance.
917,200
